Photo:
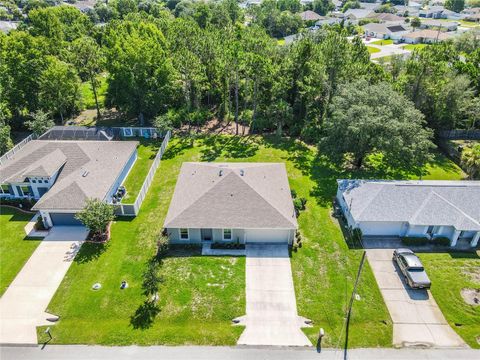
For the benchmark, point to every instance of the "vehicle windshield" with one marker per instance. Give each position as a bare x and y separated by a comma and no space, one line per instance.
416,268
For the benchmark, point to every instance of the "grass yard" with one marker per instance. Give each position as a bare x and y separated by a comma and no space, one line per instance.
15,249
382,42
146,152
412,47
201,295
372,50
450,273
88,99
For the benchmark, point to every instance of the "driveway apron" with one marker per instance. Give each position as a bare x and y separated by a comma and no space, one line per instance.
271,317
22,306
417,319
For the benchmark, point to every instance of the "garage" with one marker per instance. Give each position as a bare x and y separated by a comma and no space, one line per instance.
267,236
65,219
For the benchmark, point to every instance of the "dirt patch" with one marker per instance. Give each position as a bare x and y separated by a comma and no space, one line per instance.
471,296
216,126
474,274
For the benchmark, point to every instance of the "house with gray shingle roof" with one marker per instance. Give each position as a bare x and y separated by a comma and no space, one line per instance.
429,209
231,202
61,175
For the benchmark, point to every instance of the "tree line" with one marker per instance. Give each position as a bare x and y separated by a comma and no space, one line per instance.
216,60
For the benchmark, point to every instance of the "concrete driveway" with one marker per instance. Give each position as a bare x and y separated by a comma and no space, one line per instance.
417,319
22,306
271,317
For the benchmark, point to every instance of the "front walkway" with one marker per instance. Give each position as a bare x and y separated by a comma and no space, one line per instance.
22,306
417,319
271,317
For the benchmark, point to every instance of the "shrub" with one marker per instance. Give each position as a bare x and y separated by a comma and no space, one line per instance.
299,204
413,240
357,235
25,204
294,194
96,215
163,245
442,241
39,225
219,245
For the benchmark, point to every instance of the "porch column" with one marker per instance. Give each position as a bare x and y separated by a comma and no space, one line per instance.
475,239
456,234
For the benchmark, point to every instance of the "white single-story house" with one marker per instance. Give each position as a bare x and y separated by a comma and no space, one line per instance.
62,174
231,202
444,25
429,209
434,12
358,14
425,36
385,31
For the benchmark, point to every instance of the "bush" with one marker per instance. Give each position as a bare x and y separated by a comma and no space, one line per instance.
219,245
96,215
163,245
294,194
39,225
442,241
26,204
357,235
413,240
299,204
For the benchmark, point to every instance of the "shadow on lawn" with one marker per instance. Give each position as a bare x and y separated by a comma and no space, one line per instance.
90,251
177,148
228,146
145,315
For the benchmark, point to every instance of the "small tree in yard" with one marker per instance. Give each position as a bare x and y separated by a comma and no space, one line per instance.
40,122
471,161
96,215
415,23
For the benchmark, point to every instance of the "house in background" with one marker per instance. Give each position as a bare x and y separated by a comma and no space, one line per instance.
355,15
310,15
434,12
231,202
425,37
62,174
385,31
436,24
429,209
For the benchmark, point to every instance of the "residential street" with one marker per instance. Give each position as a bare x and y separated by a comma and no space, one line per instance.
80,352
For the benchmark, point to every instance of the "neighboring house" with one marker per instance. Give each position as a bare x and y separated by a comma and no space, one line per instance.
77,133
329,21
473,17
406,10
62,175
385,17
384,31
231,202
7,26
358,14
434,12
471,11
83,5
429,209
425,36
448,14
310,16
370,6
444,25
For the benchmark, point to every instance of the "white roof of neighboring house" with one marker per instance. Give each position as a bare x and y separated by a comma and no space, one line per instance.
428,34
388,17
359,13
370,6
447,203
384,28
102,161
434,22
232,195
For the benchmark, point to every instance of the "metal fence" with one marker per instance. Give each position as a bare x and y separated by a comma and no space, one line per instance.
133,209
17,147
460,134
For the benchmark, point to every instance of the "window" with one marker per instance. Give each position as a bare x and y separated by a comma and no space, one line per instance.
26,190
5,189
227,234
40,181
127,132
184,234
34,181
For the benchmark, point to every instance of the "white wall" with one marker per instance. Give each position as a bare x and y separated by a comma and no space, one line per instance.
269,235
386,228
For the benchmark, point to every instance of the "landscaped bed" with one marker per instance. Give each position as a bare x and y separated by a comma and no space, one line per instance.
15,248
451,273
201,295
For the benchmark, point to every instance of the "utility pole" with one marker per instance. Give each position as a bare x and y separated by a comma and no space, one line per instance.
354,292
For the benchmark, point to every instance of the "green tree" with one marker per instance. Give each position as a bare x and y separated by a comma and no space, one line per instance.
88,59
415,23
96,215
374,119
5,140
455,5
322,7
471,160
40,122
293,6
58,87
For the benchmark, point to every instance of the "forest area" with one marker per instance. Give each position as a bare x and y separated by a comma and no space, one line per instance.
180,64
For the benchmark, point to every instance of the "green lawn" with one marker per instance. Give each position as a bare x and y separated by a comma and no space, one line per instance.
15,249
382,42
372,50
146,152
201,295
412,47
88,99
450,273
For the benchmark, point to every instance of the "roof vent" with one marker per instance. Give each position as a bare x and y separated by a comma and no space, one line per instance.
242,172
85,173
220,173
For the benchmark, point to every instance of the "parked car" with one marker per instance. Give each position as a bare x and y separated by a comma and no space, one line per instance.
411,268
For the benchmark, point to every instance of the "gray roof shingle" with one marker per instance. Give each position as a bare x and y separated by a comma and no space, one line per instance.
260,198
448,203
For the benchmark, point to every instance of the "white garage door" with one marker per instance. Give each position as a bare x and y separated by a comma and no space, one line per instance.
381,228
267,236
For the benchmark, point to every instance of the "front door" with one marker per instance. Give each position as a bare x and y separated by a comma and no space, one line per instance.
206,234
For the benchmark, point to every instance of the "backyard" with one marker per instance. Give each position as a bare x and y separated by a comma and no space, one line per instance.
450,273
201,295
15,248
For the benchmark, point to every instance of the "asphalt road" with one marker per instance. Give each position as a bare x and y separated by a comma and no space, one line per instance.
77,352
